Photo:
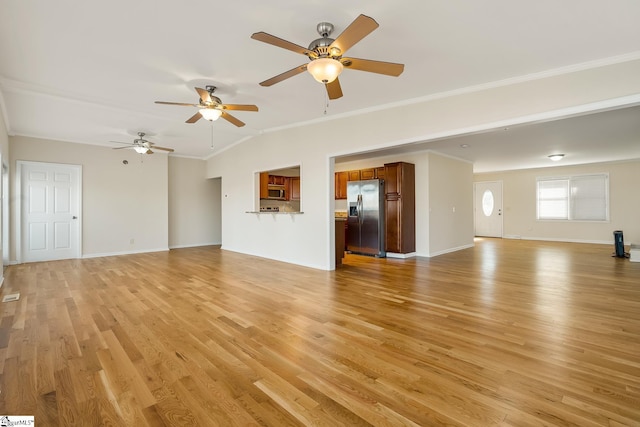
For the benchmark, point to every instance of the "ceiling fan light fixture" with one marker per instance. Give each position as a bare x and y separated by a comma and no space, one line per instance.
325,70
556,157
210,114
140,149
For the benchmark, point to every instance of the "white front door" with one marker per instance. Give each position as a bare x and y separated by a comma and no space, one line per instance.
488,208
50,211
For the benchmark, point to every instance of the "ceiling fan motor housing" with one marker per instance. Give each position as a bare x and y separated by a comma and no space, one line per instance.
324,29
321,45
214,101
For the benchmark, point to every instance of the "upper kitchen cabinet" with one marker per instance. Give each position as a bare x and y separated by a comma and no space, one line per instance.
368,173
372,173
294,188
354,175
277,179
264,185
400,207
278,187
341,179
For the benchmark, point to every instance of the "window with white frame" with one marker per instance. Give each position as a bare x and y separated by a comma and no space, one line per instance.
573,198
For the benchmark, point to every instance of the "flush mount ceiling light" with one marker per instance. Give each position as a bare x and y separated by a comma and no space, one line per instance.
556,157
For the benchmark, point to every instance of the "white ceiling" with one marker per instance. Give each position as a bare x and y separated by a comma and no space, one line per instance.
89,72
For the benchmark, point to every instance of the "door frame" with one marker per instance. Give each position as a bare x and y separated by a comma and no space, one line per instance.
475,207
4,216
19,197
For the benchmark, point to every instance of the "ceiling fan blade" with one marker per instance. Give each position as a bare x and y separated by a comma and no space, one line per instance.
287,74
155,147
228,117
197,116
177,103
356,31
277,41
380,67
120,148
334,90
205,96
239,107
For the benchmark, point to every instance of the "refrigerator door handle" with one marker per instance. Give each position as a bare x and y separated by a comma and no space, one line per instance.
360,209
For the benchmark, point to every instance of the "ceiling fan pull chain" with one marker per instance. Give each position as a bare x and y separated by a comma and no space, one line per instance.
326,102
212,135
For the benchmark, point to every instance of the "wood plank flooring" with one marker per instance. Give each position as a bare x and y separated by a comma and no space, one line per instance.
509,333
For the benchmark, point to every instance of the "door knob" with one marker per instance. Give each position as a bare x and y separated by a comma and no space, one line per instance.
74,217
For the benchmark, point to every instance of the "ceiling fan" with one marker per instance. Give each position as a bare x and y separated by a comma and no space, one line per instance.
211,107
325,54
142,146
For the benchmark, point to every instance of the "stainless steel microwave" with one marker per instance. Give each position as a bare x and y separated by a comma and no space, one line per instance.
276,192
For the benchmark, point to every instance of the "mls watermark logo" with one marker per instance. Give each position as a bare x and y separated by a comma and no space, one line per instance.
16,420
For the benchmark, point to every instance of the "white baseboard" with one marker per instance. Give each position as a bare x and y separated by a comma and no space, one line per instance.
456,249
143,251
551,239
302,264
197,245
401,256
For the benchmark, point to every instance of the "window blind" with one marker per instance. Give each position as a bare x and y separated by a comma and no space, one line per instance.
574,198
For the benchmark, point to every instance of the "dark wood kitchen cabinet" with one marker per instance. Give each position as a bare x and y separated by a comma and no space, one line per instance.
264,185
354,175
368,173
400,207
341,179
277,180
294,188
341,224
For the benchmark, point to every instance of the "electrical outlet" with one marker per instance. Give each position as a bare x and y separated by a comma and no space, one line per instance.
132,241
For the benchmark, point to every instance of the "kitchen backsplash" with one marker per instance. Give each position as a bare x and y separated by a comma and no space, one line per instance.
284,206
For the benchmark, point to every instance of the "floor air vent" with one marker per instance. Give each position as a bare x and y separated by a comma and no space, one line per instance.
11,297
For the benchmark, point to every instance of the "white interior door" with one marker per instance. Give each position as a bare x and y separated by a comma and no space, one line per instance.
50,224
488,208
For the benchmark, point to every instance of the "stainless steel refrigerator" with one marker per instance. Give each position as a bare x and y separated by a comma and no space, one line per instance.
365,220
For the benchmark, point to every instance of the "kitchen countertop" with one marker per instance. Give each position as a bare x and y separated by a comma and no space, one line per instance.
274,212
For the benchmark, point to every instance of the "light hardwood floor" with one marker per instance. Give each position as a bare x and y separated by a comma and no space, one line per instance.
513,333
